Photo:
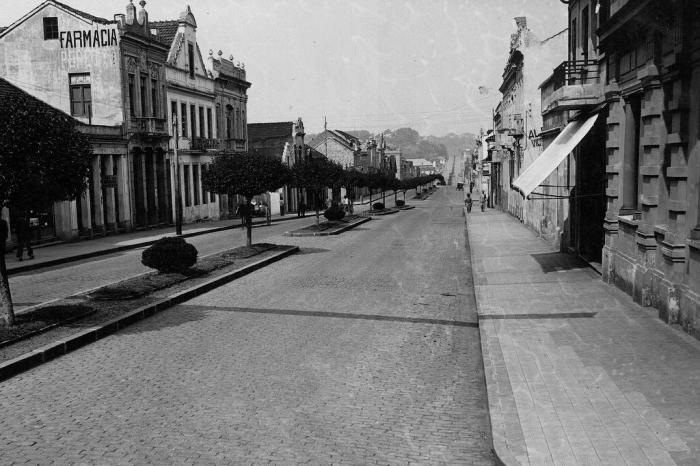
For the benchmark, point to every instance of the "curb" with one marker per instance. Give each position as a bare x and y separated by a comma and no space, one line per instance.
92,334
334,232
112,250
394,210
501,452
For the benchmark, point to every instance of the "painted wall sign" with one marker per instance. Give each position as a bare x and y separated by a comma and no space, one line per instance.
534,138
84,39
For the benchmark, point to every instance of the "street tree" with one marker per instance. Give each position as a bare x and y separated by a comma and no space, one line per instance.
316,174
247,175
44,158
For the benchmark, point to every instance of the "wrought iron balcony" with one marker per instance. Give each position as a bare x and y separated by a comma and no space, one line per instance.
572,85
148,125
205,144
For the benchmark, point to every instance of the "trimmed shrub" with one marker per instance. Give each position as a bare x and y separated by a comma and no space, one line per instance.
170,255
378,206
400,203
334,212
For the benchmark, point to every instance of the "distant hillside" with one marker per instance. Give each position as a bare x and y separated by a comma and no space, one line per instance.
413,145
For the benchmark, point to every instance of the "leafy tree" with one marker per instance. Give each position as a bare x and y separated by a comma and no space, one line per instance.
316,174
247,175
44,158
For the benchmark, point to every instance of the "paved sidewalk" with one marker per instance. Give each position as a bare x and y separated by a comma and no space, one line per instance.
576,372
59,253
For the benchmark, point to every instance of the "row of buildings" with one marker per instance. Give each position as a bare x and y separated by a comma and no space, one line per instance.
140,90
600,155
156,110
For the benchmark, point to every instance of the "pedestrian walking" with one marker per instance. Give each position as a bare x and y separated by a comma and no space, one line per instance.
281,207
302,210
23,233
483,200
468,202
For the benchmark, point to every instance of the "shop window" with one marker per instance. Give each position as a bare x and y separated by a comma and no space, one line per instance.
173,117
80,95
190,54
142,88
50,28
196,184
186,176
193,120
209,124
201,122
183,120
132,94
154,97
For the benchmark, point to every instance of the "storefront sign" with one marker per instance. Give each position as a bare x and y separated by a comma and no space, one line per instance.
85,39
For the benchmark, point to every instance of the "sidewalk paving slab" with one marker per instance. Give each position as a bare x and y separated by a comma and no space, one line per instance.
576,372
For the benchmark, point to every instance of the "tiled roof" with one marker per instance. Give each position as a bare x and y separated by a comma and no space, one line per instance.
347,136
167,30
2,29
263,131
88,16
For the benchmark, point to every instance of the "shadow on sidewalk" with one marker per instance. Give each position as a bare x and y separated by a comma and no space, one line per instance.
558,261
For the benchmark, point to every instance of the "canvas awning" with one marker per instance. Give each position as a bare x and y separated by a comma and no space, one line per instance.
553,155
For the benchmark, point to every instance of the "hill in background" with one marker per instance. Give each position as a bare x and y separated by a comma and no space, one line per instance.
413,145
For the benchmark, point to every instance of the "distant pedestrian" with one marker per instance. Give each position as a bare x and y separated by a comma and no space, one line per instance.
23,233
483,200
281,207
302,210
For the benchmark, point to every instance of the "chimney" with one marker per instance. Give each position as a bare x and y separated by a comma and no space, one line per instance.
130,12
521,22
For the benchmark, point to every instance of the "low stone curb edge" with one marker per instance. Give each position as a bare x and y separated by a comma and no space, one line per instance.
92,334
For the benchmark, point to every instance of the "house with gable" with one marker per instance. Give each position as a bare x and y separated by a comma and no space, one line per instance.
109,75
193,128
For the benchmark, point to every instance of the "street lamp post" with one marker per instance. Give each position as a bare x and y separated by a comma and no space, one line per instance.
176,171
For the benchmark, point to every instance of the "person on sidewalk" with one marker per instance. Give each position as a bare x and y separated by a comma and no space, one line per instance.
302,210
23,232
468,202
281,207
483,201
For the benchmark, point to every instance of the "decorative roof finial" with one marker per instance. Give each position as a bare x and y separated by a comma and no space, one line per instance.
220,53
142,3
211,52
230,57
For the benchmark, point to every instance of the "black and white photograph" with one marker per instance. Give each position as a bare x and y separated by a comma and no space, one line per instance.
390,232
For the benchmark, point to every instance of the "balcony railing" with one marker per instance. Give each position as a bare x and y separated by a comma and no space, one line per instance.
205,144
147,125
570,73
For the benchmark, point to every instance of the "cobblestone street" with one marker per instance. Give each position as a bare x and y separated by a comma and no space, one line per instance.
363,348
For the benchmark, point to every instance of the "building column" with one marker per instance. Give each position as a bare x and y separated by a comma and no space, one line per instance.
630,160
99,224
85,211
124,200
110,212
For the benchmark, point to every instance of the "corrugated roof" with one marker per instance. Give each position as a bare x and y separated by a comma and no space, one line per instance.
88,16
167,30
258,132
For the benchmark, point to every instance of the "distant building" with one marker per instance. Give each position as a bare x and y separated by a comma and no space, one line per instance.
338,146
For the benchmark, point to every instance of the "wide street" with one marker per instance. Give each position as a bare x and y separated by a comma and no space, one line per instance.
363,348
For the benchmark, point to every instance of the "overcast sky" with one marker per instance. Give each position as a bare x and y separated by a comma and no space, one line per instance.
364,64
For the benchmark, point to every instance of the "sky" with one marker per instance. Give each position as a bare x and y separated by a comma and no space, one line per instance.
433,65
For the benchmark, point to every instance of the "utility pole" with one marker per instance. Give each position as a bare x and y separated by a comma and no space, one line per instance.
176,171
